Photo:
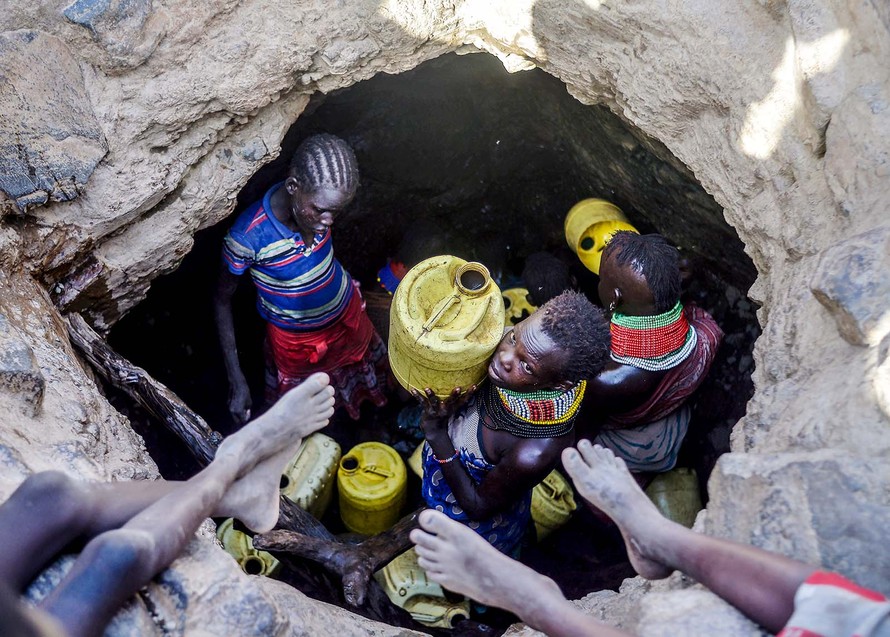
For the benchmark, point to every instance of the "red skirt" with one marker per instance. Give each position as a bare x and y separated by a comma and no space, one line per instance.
350,351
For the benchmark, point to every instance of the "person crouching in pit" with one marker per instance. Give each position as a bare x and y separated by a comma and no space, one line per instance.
482,459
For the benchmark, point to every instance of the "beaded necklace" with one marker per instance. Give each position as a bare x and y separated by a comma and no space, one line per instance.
538,414
653,343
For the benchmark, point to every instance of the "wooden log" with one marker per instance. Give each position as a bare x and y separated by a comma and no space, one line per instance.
354,564
153,395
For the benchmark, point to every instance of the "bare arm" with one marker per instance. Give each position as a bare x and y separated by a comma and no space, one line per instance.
522,465
619,388
239,393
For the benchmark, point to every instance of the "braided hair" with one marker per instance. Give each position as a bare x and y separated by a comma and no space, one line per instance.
581,329
325,161
653,257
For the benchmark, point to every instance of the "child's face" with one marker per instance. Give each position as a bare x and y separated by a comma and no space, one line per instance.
314,212
527,359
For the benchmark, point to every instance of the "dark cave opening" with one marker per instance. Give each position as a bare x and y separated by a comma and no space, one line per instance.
495,160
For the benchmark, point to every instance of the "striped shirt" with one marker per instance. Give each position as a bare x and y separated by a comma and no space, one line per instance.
297,289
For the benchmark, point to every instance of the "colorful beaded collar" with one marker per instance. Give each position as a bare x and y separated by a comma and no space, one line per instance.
538,414
653,343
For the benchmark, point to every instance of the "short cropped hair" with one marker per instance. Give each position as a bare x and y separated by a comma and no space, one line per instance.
545,277
653,257
325,161
581,329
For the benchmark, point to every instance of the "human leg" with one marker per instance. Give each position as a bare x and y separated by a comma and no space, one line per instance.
456,557
51,509
243,478
759,583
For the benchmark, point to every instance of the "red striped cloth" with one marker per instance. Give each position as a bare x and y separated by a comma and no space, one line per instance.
828,605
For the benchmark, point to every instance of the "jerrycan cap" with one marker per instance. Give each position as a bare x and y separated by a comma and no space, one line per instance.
472,278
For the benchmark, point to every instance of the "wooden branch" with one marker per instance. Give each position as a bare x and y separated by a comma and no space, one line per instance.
156,397
291,516
354,564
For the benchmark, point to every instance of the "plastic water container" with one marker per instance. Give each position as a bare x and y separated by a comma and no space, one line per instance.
240,546
553,503
408,587
589,226
415,460
676,495
447,319
372,481
308,481
516,306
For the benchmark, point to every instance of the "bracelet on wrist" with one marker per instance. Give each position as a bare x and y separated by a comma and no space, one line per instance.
447,460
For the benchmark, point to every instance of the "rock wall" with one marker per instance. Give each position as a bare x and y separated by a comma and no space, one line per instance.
130,125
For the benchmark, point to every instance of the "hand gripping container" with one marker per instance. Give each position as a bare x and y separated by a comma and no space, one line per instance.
372,482
447,319
308,481
589,226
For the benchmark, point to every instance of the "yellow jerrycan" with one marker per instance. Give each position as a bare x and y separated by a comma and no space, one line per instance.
589,226
240,546
516,306
676,495
407,586
415,460
553,503
308,481
372,481
447,319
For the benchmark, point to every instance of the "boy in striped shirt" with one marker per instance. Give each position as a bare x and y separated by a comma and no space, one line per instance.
315,316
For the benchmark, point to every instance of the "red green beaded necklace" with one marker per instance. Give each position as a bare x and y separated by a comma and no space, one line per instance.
654,343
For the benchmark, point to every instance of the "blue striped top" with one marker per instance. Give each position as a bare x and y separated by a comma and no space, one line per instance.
296,289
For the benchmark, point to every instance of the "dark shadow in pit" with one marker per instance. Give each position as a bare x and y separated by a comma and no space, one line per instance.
494,160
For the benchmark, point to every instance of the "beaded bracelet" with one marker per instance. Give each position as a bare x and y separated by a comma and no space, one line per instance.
451,459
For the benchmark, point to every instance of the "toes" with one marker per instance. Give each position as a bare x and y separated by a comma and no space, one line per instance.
317,382
421,538
588,452
572,462
435,522
431,567
428,553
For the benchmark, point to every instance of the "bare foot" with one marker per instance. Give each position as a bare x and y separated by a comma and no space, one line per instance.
606,483
456,557
264,446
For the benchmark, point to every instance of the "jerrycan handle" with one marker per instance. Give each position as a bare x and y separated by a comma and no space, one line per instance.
459,335
438,311
377,471
471,279
550,490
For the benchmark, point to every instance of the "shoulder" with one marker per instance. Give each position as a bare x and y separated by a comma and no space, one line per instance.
531,455
249,219
704,324
623,379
